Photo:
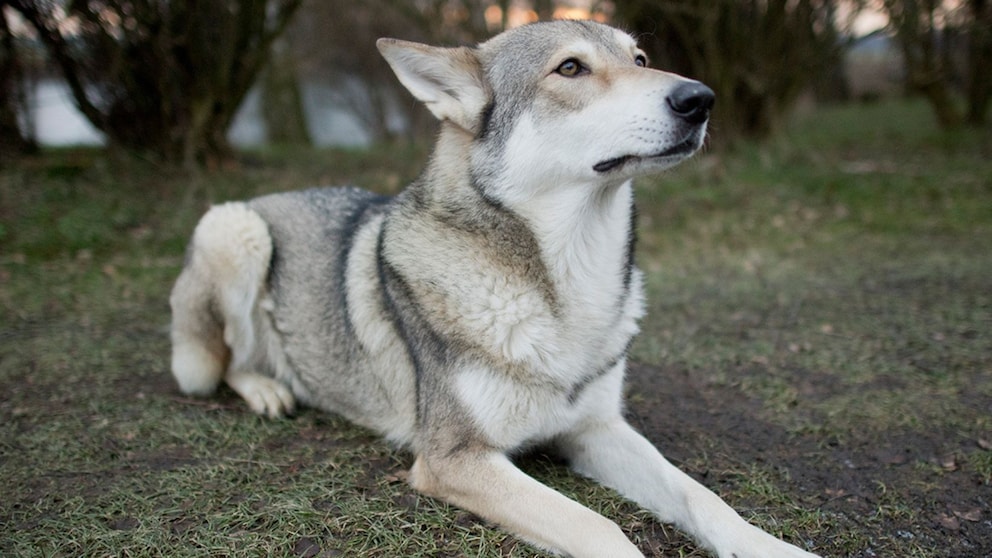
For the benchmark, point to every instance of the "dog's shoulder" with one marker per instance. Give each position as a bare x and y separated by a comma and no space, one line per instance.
329,206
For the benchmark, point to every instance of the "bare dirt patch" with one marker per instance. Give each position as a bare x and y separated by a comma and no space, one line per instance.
917,484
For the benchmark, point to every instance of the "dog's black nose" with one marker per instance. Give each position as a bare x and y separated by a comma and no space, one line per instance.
692,101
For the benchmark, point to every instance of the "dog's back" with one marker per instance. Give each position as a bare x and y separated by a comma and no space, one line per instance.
329,317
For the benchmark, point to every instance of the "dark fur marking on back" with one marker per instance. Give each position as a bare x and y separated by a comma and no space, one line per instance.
351,225
485,121
386,276
425,346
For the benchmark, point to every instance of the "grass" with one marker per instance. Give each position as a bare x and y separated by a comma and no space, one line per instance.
823,302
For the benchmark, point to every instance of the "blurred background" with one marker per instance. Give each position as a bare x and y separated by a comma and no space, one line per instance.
818,340
183,82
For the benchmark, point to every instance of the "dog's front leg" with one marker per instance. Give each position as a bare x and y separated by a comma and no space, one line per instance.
612,453
490,486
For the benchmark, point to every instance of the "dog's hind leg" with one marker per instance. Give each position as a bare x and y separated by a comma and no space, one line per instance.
216,310
199,355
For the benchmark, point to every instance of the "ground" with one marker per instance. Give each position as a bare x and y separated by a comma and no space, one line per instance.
818,351
858,485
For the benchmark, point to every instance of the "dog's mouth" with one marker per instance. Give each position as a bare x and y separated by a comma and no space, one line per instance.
684,147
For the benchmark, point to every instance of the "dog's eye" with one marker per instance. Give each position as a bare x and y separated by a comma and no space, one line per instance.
571,68
641,60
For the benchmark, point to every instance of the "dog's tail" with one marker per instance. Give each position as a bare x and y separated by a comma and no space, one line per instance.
215,297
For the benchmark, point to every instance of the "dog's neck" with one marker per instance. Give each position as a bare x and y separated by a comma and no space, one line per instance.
586,237
584,231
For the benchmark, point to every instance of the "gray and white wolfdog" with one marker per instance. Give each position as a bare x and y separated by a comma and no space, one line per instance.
486,309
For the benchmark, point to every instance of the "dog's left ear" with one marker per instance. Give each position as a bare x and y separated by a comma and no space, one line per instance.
448,80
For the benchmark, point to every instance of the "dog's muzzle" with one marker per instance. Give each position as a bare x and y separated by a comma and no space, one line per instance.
691,102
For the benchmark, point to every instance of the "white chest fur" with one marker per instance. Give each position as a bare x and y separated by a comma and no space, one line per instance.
555,353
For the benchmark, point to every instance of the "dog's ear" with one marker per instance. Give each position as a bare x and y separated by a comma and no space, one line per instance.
448,80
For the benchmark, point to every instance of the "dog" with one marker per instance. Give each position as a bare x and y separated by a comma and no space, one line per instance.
486,309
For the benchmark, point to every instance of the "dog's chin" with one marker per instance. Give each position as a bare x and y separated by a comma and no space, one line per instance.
639,164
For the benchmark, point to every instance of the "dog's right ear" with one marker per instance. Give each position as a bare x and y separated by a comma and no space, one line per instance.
448,80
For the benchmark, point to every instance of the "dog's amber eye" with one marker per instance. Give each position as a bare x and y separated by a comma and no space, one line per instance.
641,60
571,68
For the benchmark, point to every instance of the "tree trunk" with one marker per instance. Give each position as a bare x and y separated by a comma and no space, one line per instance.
914,24
941,102
980,55
282,100
13,139
170,80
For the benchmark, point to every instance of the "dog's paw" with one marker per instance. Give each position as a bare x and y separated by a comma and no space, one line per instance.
784,550
264,395
755,543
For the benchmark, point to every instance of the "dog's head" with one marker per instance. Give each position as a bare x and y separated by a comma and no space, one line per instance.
562,101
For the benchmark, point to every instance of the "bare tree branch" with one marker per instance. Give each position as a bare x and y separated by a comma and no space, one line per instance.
163,77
